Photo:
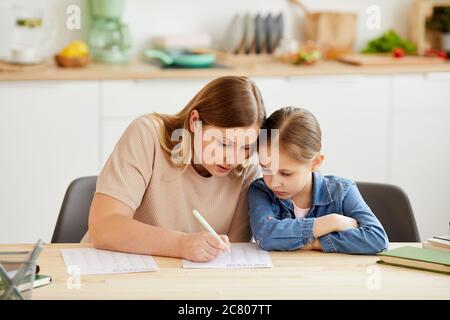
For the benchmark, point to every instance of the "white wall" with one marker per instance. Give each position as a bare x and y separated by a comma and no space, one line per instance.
148,18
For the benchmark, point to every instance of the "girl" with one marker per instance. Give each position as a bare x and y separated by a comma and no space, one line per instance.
157,174
294,206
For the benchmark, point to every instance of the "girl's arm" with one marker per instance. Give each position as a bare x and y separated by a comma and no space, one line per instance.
327,224
368,238
274,233
269,230
332,223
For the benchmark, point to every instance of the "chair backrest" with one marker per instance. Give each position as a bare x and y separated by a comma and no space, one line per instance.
392,207
72,221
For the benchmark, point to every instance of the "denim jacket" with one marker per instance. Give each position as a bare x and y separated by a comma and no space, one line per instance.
275,226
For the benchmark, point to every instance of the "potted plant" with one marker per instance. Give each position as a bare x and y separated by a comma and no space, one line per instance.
440,22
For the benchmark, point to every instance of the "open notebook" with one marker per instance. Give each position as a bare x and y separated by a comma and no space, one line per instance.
242,255
95,261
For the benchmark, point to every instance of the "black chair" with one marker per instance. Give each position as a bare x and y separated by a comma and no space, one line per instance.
392,207
72,221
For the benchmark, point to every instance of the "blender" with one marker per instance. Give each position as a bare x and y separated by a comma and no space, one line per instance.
109,38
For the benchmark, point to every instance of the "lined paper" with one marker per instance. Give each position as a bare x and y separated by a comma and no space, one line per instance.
94,261
242,255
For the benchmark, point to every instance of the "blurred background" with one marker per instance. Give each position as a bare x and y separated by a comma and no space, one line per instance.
74,74
157,17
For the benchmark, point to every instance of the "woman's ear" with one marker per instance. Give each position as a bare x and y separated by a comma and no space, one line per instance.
317,161
193,118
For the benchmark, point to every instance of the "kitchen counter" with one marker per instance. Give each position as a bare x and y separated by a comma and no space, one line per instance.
141,70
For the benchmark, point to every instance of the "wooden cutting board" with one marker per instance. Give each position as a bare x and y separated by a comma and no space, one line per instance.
387,59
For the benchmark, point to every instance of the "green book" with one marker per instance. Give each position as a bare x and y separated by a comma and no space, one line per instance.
417,258
39,281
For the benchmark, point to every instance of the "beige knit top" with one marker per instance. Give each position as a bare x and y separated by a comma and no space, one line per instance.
138,174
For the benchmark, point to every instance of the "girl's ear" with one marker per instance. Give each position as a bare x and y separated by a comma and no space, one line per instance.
193,117
317,161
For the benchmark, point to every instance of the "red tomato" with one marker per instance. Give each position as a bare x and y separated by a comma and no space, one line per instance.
398,52
436,53
442,54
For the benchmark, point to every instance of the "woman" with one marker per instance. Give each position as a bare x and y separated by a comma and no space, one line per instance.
164,166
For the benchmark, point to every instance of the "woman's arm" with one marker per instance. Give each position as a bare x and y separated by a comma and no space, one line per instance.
112,227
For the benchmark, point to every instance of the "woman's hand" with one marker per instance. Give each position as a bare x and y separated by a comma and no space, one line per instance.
202,246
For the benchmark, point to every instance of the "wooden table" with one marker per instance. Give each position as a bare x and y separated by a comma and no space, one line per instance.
295,275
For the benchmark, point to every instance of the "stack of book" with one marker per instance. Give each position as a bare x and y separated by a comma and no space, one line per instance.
433,256
438,243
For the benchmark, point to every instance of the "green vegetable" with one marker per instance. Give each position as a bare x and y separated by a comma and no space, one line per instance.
388,42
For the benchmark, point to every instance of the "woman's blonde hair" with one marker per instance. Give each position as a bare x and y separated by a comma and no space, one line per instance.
225,102
299,132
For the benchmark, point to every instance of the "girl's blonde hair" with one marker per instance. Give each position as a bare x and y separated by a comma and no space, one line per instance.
225,102
299,132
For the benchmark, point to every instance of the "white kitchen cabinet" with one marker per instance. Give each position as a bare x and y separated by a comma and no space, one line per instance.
273,92
422,92
124,100
48,137
353,112
111,131
132,98
421,148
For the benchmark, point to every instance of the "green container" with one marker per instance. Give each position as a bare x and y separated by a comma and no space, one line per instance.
107,8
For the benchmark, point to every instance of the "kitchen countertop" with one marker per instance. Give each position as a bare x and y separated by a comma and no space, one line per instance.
141,70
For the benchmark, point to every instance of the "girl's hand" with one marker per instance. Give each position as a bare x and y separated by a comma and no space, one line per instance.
313,245
307,246
202,246
344,223
332,223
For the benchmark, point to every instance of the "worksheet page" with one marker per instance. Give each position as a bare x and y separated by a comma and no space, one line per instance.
94,261
242,255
